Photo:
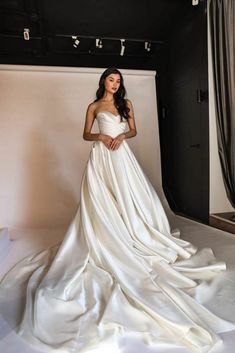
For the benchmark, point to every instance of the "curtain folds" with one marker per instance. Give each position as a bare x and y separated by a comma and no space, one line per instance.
222,30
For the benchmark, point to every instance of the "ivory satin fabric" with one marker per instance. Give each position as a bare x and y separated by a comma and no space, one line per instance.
119,270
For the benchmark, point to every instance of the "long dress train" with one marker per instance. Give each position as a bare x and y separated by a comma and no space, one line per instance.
120,269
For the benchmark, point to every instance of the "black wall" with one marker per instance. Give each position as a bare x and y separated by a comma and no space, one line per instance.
184,117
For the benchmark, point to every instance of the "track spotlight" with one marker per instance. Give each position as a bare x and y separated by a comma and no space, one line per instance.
76,41
26,33
147,46
122,47
99,43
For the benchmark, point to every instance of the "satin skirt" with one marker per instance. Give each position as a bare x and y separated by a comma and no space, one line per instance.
120,270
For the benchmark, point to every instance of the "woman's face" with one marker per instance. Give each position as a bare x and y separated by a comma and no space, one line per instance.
112,83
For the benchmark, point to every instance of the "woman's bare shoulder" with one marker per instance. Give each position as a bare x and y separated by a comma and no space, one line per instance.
92,107
129,102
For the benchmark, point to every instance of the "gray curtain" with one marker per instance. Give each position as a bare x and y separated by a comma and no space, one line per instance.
222,30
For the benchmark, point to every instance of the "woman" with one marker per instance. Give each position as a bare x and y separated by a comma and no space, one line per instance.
119,270
110,99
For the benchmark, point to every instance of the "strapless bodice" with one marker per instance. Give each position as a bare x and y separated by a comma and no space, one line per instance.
110,124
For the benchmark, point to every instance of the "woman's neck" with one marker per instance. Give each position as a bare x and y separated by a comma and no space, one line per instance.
108,97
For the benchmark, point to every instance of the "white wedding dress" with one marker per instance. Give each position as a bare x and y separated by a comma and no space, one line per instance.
120,269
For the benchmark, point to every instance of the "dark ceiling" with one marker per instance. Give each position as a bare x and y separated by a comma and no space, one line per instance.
52,24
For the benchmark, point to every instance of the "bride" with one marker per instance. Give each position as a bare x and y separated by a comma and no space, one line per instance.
120,270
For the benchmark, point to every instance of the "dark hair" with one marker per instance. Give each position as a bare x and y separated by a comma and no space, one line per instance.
119,96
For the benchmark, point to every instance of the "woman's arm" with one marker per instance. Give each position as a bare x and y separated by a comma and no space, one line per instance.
132,129
87,135
90,118
131,122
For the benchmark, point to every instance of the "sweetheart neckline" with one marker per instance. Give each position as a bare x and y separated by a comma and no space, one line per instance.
106,111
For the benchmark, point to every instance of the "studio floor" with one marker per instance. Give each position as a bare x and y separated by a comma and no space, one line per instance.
28,241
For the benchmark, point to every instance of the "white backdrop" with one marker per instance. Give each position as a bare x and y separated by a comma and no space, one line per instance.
42,152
